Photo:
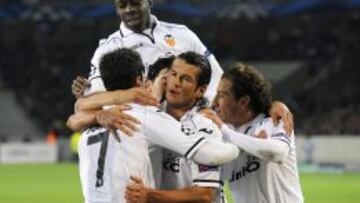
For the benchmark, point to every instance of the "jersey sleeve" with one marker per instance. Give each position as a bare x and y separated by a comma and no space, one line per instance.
204,175
216,70
162,130
264,148
105,46
275,132
279,133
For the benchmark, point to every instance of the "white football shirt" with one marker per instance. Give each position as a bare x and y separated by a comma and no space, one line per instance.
260,180
161,40
106,164
179,172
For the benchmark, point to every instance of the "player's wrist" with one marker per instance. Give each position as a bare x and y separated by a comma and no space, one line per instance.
150,195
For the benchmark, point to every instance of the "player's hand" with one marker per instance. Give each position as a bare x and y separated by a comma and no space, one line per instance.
78,86
115,118
279,111
210,114
141,96
262,134
136,192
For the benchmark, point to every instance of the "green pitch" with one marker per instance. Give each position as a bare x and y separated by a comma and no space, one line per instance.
60,184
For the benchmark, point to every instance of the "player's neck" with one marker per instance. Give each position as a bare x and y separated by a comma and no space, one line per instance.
141,28
177,112
244,118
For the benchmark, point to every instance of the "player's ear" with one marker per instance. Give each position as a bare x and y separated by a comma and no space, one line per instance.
244,100
201,91
148,85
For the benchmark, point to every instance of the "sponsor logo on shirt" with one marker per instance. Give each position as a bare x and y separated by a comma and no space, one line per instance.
188,131
170,40
252,165
171,163
205,168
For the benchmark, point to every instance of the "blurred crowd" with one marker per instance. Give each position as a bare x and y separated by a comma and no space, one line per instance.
40,59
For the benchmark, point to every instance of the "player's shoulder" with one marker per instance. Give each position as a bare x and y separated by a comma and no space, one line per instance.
172,25
266,121
204,123
114,38
199,118
93,130
175,28
148,111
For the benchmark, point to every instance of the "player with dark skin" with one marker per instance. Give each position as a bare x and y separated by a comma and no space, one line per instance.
136,16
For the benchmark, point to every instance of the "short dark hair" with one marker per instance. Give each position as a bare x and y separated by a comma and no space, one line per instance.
248,81
201,62
159,65
120,68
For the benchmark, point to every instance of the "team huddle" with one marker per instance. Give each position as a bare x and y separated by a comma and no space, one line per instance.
161,121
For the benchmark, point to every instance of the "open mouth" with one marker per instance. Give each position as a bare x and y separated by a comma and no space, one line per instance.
133,19
173,93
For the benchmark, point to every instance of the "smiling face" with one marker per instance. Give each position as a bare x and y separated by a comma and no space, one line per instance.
134,13
182,90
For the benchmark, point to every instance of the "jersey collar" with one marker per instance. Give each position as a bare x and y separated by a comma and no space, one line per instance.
247,126
124,31
188,115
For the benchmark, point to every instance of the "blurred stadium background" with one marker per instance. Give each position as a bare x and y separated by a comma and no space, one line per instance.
310,49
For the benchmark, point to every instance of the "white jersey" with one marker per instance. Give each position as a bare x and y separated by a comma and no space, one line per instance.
252,179
161,40
106,164
179,172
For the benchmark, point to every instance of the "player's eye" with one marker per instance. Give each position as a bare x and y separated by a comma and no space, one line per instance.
135,4
172,73
122,5
187,78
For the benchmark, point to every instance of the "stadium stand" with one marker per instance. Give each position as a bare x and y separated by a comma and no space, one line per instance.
41,56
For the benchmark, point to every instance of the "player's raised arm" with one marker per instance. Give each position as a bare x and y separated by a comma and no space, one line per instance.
117,97
165,131
79,121
112,119
78,86
279,111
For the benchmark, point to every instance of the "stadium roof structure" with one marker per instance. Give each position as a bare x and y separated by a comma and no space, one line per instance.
184,8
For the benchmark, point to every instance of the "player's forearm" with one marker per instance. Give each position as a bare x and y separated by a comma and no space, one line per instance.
268,149
186,195
216,153
80,121
97,101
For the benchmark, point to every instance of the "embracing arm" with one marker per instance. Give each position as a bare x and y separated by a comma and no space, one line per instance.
215,153
117,97
268,149
196,147
81,120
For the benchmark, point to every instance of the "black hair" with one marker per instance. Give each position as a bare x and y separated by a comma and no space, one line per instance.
202,63
247,81
120,68
159,65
